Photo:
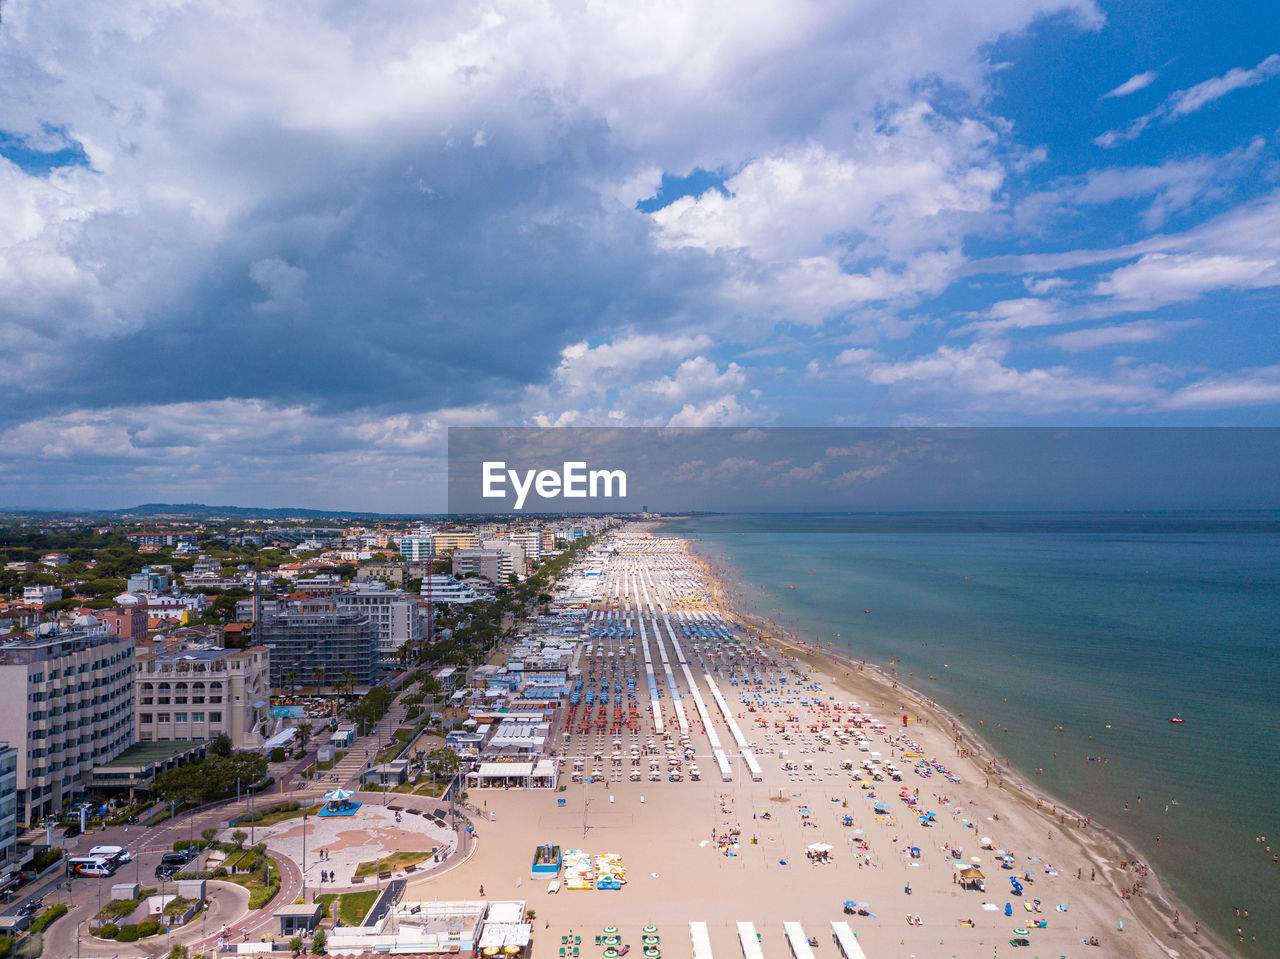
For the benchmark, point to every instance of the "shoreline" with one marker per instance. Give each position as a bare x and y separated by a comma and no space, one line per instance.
1153,912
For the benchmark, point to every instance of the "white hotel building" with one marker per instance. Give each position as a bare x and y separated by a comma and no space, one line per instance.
66,705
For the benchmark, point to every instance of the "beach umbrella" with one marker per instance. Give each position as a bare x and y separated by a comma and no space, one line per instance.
1019,931
610,930
850,904
972,873
650,930
976,860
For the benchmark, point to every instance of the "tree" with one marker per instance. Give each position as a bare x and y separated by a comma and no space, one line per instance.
295,945
221,745
318,941
179,951
208,834
238,837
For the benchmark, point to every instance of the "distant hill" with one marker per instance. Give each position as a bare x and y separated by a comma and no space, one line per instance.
199,511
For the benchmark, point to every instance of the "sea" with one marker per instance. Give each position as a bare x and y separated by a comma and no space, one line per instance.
1104,624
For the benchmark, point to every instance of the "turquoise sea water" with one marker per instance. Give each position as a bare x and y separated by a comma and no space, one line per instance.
1104,624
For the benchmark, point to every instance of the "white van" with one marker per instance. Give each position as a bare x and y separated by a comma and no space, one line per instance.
113,853
95,867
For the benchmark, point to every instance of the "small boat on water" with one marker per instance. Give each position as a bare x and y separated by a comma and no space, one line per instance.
1177,719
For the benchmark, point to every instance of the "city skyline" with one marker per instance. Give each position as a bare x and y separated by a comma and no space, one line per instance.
269,257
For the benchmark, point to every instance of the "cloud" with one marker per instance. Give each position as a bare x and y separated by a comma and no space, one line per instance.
1173,187
1161,278
1140,331
1184,102
1257,387
978,377
1020,314
1139,81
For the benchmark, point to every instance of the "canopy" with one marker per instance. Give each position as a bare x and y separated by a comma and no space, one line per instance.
820,847
972,873
338,795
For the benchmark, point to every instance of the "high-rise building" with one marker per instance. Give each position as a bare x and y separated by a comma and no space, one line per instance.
317,640
66,704
8,812
394,615
416,548
478,562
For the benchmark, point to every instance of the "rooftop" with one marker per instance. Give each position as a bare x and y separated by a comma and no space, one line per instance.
144,754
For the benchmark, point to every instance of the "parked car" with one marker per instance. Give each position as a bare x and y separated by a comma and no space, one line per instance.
166,873
72,831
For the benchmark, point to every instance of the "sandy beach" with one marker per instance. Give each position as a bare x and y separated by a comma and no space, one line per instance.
723,852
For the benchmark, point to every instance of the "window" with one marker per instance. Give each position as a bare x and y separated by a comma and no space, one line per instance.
179,717
146,718
215,717
162,717
197,717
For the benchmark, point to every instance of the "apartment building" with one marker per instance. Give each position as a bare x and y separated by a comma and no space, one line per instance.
394,615
163,538
450,540
41,595
66,704
315,639
193,692
8,812
416,548
478,562
129,622
510,557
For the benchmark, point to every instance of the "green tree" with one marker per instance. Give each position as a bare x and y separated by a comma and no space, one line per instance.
238,837
221,745
179,951
318,942
295,945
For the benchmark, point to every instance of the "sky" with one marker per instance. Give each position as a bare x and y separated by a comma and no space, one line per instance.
266,254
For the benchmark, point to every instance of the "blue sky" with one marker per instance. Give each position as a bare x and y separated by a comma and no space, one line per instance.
266,255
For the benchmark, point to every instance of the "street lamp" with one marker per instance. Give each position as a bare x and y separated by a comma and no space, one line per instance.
304,855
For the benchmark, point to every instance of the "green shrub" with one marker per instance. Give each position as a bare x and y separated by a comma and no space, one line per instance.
108,930
45,858
148,928
220,873
278,755
46,918
128,933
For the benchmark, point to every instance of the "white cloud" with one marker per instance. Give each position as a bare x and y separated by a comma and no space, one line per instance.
1161,278
978,378
1258,387
1140,331
1019,314
585,370
1173,186
1183,102
1139,81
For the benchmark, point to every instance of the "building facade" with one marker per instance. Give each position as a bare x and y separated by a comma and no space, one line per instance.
317,640
394,615
163,538
41,595
8,812
416,548
66,704
478,562
128,622
196,692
